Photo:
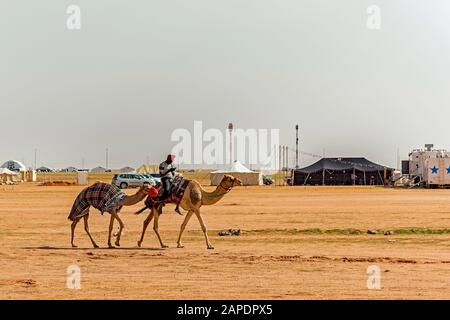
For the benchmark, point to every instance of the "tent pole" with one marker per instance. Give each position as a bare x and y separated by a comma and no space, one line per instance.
365,181
279,164
382,180
287,158
323,176
354,176
306,180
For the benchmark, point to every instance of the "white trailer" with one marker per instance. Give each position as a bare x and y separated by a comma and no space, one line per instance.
430,166
437,171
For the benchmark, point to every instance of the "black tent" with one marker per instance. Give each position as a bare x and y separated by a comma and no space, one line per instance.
342,171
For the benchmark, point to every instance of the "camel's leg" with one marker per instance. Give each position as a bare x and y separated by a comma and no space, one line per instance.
155,228
183,226
86,228
202,224
144,227
121,226
72,228
111,225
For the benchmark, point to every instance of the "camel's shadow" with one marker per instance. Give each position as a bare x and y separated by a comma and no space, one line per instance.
93,249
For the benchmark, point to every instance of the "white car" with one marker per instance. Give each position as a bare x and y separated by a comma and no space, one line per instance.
131,180
155,176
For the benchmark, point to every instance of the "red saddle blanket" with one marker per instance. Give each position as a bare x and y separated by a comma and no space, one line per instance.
179,185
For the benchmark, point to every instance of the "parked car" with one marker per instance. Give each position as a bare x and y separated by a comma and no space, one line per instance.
267,180
131,180
155,176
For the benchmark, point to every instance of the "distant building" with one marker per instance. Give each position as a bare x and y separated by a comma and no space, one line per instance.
45,169
127,170
70,169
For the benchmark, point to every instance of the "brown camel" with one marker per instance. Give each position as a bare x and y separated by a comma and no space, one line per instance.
194,197
125,201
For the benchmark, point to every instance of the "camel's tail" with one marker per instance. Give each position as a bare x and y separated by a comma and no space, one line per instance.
141,210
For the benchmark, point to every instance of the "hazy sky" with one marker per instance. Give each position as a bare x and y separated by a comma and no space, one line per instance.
139,69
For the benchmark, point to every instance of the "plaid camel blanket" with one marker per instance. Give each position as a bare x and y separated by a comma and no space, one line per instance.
102,196
179,185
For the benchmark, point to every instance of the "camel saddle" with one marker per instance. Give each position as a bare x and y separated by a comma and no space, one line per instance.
177,188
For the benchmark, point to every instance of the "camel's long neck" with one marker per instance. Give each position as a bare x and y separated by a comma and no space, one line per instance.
210,198
135,198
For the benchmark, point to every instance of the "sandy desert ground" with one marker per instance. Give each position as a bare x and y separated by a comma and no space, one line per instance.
296,243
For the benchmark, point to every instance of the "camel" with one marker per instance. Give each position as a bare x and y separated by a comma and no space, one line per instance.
125,201
193,199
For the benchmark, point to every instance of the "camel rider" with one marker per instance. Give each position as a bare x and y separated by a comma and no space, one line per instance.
166,171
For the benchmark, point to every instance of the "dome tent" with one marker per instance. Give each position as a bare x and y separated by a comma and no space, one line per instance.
14,165
237,170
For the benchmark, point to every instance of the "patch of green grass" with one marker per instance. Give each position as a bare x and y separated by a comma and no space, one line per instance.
420,231
343,231
309,270
350,231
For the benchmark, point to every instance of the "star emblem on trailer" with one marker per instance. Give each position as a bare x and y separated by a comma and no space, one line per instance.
448,170
434,170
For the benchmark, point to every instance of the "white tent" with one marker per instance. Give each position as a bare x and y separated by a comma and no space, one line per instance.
98,170
236,166
6,175
8,172
146,168
14,165
70,169
237,170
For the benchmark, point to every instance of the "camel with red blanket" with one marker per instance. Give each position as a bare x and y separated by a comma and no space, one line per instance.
191,198
105,198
